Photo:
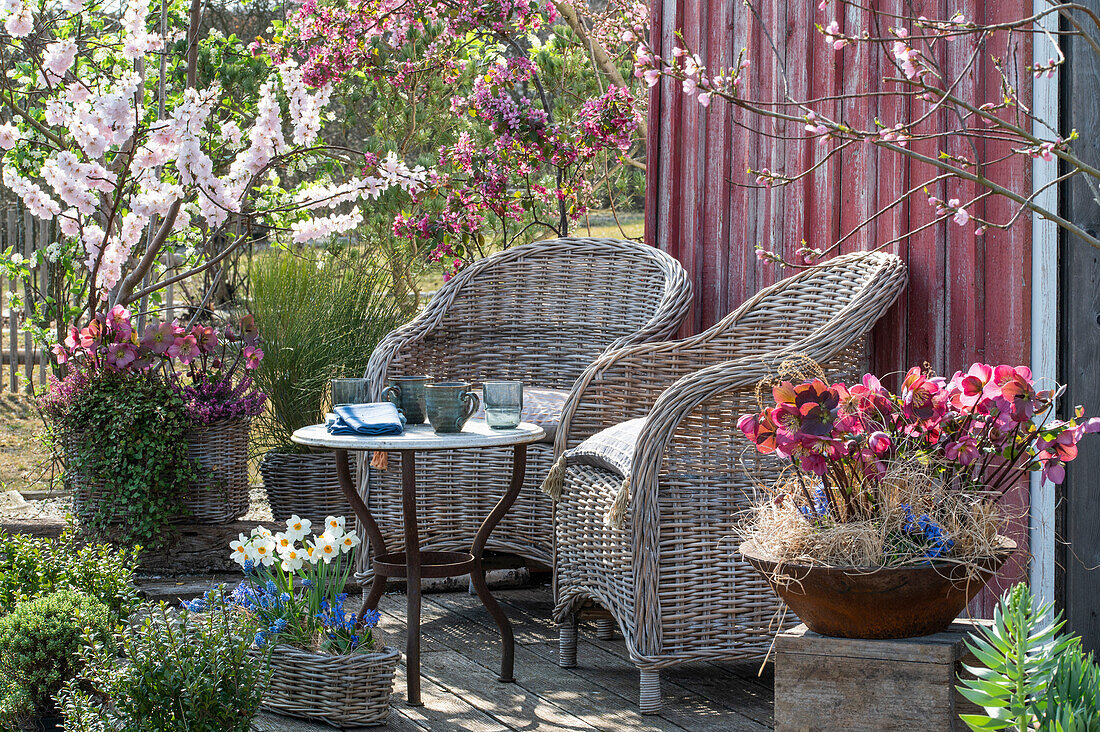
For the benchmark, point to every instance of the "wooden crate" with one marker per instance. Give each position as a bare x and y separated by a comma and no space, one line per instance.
824,683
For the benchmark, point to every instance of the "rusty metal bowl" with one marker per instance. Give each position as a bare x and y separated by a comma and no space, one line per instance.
878,602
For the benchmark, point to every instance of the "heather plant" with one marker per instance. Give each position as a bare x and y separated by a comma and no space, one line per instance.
31,567
179,670
207,367
40,650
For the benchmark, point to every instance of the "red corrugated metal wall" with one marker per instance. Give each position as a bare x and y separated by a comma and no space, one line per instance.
968,297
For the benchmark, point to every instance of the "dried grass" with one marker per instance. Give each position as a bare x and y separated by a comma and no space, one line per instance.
779,529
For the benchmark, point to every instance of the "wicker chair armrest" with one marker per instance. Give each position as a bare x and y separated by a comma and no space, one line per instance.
623,384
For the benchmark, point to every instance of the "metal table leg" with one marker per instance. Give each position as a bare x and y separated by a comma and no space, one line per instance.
374,535
412,564
477,576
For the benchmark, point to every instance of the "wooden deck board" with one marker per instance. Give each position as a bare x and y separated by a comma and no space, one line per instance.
460,662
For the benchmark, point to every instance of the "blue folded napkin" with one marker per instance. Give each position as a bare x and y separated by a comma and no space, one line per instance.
376,418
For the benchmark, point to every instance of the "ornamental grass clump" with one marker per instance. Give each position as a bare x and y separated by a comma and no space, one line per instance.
319,318
882,479
312,616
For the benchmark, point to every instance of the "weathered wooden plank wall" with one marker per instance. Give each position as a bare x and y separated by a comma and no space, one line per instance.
1079,559
968,297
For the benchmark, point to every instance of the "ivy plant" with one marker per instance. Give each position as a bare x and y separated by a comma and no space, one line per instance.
124,434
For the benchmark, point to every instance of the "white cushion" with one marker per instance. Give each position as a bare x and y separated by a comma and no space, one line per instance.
540,406
611,449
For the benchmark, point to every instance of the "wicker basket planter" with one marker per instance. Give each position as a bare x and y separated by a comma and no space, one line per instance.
306,485
218,496
344,691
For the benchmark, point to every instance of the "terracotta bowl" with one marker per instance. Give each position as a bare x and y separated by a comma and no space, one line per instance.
878,602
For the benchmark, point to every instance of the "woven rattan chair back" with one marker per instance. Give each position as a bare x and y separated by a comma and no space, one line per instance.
540,313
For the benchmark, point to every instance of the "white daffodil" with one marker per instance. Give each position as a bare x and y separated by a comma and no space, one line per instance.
239,550
265,551
292,560
261,532
297,528
326,547
283,542
335,524
348,542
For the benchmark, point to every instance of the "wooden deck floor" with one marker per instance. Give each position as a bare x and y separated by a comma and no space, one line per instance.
461,659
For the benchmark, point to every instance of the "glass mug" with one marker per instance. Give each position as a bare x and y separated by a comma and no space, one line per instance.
503,401
407,392
450,405
348,391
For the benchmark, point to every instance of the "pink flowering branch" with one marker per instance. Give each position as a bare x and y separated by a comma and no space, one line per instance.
132,172
916,78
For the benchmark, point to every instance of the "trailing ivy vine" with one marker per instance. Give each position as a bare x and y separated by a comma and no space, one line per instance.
124,437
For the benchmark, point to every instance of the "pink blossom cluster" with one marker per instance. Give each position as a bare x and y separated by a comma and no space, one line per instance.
979,430
504,175
332,40
213,384
106,162
908,58
18,17
611,118
321,227
689,69
952,207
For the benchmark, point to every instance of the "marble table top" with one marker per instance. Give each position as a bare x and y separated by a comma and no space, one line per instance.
476,433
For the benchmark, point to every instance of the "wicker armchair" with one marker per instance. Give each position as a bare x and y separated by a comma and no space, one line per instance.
540,313
657,549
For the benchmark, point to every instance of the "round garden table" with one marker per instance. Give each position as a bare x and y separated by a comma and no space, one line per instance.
414,564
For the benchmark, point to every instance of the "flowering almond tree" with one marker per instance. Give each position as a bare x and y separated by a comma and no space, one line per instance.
525,160
151,167
963,140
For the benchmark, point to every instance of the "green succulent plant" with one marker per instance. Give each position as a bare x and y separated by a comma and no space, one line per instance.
1033,676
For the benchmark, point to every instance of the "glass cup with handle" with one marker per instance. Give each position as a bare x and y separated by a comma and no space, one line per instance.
503,403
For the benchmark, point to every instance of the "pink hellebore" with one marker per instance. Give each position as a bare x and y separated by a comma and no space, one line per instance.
206,337
965,451
252,357
974,386
187,349
118,320
879,442
250,334
120,355
158,338
921,395
92,334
